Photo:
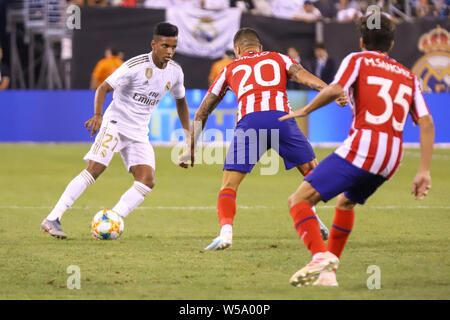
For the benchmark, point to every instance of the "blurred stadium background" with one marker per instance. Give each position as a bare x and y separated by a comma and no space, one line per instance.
52,46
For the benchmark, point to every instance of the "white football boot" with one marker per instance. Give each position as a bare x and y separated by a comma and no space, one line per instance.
221,242
323,261
326,279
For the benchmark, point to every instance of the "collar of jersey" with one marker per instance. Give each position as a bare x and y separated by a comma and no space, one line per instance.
250,53
150,58
384,55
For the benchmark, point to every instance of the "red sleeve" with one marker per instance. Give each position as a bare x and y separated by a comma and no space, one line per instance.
348,70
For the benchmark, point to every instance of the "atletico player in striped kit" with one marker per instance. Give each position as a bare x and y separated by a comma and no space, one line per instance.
382,92
258,78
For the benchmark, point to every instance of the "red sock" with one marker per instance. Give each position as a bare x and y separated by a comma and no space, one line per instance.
226,206
340,231
307,227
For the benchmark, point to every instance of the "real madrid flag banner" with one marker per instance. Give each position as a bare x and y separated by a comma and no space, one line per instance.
204,33
433,69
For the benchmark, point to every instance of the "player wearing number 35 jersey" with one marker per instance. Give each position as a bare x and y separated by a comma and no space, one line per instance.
138,85
382,93
258,78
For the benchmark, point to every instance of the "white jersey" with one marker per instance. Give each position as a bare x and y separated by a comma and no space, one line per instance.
139,85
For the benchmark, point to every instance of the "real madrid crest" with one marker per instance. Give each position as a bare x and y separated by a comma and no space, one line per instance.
168,86
433,69
205,31
148,73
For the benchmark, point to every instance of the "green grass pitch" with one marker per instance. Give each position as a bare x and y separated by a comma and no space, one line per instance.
160,254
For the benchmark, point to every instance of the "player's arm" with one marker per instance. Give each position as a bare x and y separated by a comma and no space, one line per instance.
209,103
303,76
94,123
422,180
183,114
325,96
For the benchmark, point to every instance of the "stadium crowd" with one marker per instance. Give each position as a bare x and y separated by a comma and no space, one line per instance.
303,10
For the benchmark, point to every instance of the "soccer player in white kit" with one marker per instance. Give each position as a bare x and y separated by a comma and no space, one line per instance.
139,85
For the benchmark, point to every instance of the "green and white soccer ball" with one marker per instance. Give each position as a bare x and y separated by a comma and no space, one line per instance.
107,225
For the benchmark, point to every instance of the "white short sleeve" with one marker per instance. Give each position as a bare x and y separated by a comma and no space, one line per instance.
419,107
178,90
288,61
220,85
120,76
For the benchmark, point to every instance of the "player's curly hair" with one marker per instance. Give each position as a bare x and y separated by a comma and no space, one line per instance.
377,39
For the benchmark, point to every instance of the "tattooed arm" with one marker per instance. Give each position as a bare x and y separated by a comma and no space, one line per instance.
324,97
209,103
302,76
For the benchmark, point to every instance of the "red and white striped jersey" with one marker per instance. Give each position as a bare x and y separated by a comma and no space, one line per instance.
259,81
382,92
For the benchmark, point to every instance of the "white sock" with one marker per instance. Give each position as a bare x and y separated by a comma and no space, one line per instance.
131,199
321,224
317,255
226,228
73,191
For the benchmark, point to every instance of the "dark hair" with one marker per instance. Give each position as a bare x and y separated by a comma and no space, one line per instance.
114,51
165,29
247,36
320,45
230,53
377,39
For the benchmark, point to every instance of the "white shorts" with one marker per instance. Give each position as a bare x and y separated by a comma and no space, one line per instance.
109,141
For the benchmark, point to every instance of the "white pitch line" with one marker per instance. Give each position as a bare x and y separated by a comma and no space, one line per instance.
191,208
434,156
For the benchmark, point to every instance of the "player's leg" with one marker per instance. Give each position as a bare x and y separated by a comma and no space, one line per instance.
296,151
135,195
242,155
365,184
300,204
342,224
73,191
226,209
331,177
339,233
139,158
98,158
305,169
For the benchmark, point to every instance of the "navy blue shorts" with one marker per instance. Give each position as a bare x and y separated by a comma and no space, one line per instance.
335,175
258,132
